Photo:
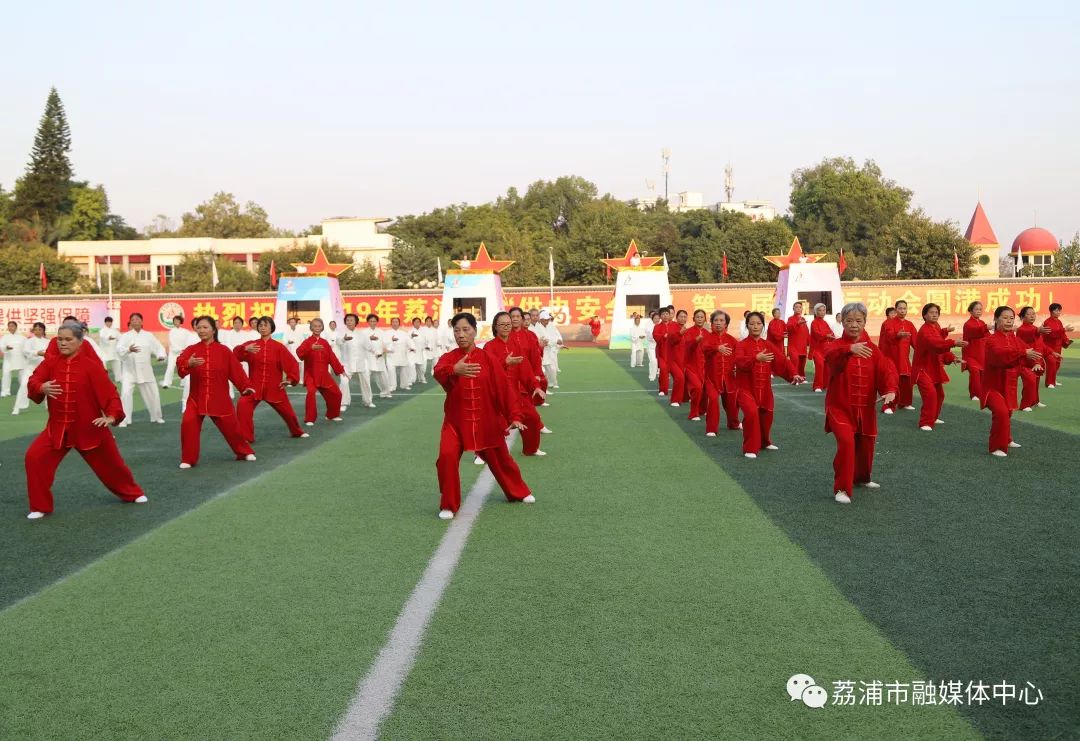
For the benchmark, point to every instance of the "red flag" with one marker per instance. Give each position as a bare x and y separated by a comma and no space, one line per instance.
723,267
44,278
273,275
956,263
843,262
382,276
161,276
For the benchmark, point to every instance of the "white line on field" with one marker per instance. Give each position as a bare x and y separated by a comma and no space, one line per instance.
375,696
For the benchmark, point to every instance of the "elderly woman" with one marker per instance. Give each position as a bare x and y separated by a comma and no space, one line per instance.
821,334
756,361
83,404
1006,356
975,332
719,349
932,351
859,372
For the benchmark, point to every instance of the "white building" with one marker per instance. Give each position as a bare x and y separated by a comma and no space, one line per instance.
143,259
756,210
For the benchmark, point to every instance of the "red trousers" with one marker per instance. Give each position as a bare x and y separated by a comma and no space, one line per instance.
757,424
974,383
1030,395
530,436
662,375
1000,422
712,413
799,363
1053,362
499,461
105,461
678,382
245,414
694,390
191,431
933,397
330,394
854,458
904,395
821,372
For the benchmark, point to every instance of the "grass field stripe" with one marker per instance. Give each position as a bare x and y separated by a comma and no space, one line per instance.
375,697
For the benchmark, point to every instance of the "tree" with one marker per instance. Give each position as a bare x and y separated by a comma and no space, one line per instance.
223,218
20,265
195,273
89,214
41,192
410,264
121,283
1067,260
362,276
926,249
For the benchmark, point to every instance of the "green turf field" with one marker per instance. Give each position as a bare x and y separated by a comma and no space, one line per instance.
662,586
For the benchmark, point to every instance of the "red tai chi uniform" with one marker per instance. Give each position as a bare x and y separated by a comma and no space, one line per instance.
720,381
521,382
209,397
798,335
694,368
1030,336
928,370
820,336
86,394
1006,357
850,410
319,359
775,331
266,369
975,333
754,380
659,335
675,363
1055,341
524,342
475,417
898,349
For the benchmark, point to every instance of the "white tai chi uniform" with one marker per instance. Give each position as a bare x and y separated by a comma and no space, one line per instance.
179,339
354,358
32,360
639,334
12,345
137,370
446,341
551,342
650,350
431,348
417,355
109,337
292,339
373,343
398,364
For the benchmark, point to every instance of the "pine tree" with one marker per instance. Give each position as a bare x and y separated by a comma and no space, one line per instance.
44,189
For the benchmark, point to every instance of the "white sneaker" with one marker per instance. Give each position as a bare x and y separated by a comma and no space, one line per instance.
750,455
539,452
818,391
185,466
345,408
545,404
337,419
1051,386
15,413
545,430
445,514
710,434
1026,409
674,403
554,387
1014,444
975,398
478,461
772,447
661,394
871,485
695,419
842,497
305,435
939,421
309,424
35,515
249,457
1040,404
370,405
888,411
529,499
926,428
142,500
910,408
739,427
159,421
999,453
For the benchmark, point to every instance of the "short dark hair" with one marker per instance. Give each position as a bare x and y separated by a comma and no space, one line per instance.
372,316
719,312
39,324
1025,310
267,320
180,317
495,319
680,311
510,312
108,319
13,322
1055,307
354,316
898,302
1001,310
891,309
927,307
758,314
206,318
972,305
467,317
417,319
132,316
236,319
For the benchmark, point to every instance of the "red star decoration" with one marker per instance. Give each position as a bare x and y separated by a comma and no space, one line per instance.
793,256
321,266
483,263
624,262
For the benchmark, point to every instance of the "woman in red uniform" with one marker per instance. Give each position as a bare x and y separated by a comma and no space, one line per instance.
478,413
756,362
675,358
1006,355
271,367
719,349
897,337
211,367
1030,336
522,383
319,360
774,333
928,369
694,365
83,404
975,333
858,373
798,338
821,335
659,334
1055,338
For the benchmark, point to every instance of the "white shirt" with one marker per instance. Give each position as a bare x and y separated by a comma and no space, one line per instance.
137,367
293,338
416,352
374,349
553,336
431,343
649,341
353,356
398,345
744,331
31,348
12,345
639,333
446,339
108,337
179,339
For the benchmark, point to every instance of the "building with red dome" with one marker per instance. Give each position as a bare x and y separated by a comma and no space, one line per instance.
1035,247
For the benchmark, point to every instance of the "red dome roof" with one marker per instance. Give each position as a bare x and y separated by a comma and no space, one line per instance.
1035,239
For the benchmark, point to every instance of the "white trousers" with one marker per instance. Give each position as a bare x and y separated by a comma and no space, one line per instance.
5,380
420,371
170,368
149,393
346,392
637,356
185,384
406,374
653,370
551,372
22,400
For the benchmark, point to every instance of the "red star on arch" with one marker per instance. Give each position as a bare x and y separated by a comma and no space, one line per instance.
483,263
321,266
794,255
627,260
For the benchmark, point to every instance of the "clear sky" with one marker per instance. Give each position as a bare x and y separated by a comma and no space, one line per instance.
338,108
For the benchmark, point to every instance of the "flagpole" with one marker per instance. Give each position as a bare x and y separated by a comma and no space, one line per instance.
108,259
551,276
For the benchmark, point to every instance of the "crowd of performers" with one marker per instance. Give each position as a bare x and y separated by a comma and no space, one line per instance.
697,362
71,373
